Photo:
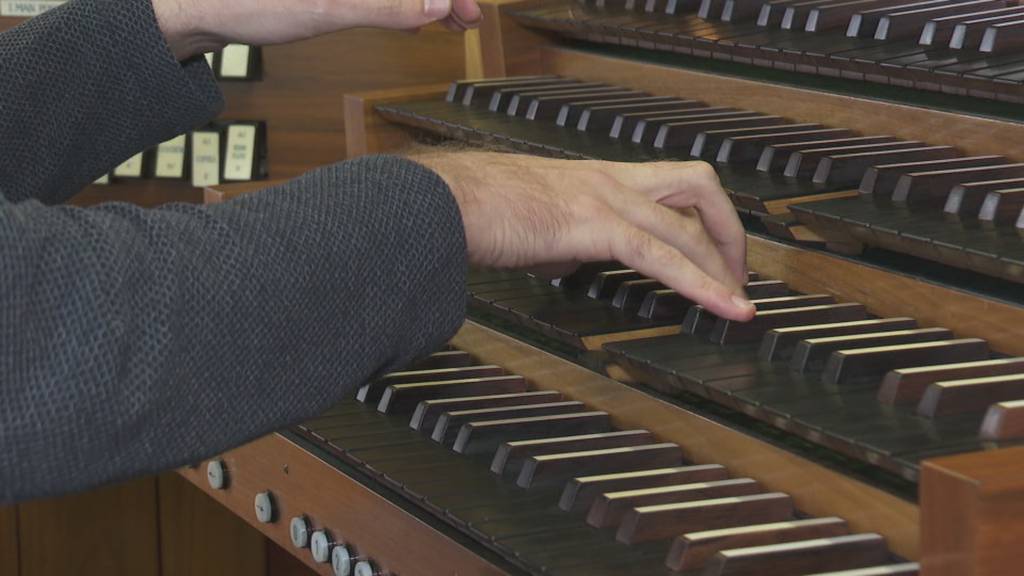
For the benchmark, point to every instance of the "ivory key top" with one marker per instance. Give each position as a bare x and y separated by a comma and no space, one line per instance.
548,108
477,92
570,113
428,411
708,143
646,130
907,385
625,122
845,366
405,397
908,23
939,31
695,549
968,34
479,437
499,99
580,492
747,149
812,353
555,468
880,181
699,320
599,119
1001,207
775,157
510,456
905,569
965,199
682,134
1003,37
930,189
448,424
609,508
511,102
663,521
970,395
834,553
804,163
848,169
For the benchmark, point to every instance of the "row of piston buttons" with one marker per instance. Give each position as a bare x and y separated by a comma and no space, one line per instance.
344,561
343,558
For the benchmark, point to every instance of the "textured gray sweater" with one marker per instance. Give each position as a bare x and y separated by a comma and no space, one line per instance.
135,340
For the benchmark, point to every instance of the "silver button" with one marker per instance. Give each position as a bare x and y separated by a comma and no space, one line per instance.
364,568
264,505
320,546
299,530
217,474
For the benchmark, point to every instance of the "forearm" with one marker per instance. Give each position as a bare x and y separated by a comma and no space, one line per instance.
86,85
135,341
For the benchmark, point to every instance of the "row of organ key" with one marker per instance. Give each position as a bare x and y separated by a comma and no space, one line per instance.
958,46
924,199
548,482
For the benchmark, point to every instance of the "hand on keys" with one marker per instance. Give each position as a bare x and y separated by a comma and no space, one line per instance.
671,221
196,26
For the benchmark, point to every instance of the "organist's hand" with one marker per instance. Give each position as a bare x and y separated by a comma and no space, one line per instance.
196,26
671,221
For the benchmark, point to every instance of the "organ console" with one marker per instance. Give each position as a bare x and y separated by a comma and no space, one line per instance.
868,421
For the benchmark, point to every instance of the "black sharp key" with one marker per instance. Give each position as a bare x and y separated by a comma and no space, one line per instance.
848,169
929,189
625,122
428,411
907,385
965,200
682,134
975,395
747,149
599,119
778,344
699,320
774,157
1002,207
548,108
865,23
939,31
809,556
548,469
482,437
968,34
732,332
880,181
447,427
372,392
1003,37
607,283
632,293
502,98
571,113
872,363
908,23
580,492
708,143
812,353
803,163
609,508
646,130
475,92
510,456
838,15
399,398
584,276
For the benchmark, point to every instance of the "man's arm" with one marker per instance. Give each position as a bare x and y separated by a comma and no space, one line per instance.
85,86
134,340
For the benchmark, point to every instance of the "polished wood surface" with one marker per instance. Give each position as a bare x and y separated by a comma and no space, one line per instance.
224,192
506,49
9,540
366,132
815,489
971,511
302,484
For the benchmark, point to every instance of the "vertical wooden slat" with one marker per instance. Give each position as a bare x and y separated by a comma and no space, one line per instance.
281,562
9,540
199,536
112,530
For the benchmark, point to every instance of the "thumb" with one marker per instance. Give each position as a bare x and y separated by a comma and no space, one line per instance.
405,14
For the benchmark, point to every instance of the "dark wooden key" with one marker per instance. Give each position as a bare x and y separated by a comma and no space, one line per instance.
445,359
968,34
747,149
803,163
871,363
599,119
571,113
666,304
838,15
708,143
607,283
693,550
511,455
848,169
699,320
646,130
812,353
803,557
732,332
447,427
939,31
480,437
711,9
580,492
584,276
778,344
1003,37
771,13
907,385
476,92
965,200
970,395
796,14
881,180
774,157
405,397
549,469
633,292
741,10
548,108
372,392
1003,421
609,508
908,23
865,23
1001,207
428,411
663,521
682,134
929,189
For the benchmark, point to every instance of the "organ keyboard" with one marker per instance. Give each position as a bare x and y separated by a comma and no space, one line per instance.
867,422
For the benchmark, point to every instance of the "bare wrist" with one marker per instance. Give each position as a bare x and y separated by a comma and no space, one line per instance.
177,20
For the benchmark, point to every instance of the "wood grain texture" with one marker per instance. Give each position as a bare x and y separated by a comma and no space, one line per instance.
815,489
113,530
506,48
9,540
971,134
889,293
971,510
302,484
200,536
366,132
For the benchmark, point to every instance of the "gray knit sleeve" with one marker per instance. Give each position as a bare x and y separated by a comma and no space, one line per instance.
135,340
85,86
